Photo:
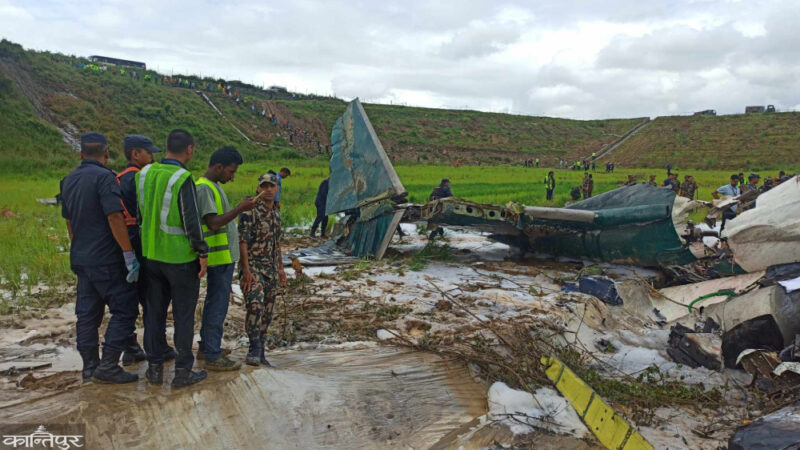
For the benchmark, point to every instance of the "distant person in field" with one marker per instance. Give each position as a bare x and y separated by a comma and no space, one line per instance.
441,191
782,177
537,162
731,189
669,169
750,191
550,185
630,182
672,182
652,181
688,187
575,193
319,203
588,185
283,173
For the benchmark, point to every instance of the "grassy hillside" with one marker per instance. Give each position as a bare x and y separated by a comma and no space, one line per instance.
61,95
42,93
412,134
742,142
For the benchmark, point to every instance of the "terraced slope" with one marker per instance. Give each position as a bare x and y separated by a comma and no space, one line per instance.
742,142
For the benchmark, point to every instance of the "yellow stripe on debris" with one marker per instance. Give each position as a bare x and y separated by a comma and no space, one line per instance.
610,428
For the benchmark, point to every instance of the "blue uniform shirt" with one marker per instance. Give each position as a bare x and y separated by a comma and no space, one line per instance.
733,191
89,194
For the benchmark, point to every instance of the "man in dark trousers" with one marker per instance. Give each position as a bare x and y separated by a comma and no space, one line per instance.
222,236
102,257
139,153
550,185
176,257
319,202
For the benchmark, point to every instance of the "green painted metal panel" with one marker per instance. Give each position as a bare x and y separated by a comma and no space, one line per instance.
360,170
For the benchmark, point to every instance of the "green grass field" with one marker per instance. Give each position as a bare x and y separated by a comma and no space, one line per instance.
34,240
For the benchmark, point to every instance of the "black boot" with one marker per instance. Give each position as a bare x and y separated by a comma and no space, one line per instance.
254,352
263,359
133,352
91,359
185,377
170,354
155,373
109,370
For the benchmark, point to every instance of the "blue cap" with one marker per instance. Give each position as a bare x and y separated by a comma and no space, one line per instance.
93,137
753,175
139,141
445,180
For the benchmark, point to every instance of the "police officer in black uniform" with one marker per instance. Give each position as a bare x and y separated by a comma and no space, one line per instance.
102,257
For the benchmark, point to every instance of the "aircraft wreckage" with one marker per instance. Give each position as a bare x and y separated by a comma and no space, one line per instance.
736,305
637,225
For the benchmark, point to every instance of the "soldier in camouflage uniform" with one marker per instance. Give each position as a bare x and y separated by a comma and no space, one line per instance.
688,187
652,181
260,265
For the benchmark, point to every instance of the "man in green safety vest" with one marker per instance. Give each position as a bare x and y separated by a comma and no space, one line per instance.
550,185
176,257
222,236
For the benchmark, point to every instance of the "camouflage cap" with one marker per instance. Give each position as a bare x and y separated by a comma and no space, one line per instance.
268,178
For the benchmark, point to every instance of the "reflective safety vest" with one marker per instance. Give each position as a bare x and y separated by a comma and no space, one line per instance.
550,182
163,235
129,219
219,252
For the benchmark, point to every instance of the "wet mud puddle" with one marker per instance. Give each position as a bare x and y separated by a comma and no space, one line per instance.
370,397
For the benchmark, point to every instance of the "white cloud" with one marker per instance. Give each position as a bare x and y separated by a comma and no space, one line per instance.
578,58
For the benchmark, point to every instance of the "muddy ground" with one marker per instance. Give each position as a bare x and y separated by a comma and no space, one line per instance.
395,353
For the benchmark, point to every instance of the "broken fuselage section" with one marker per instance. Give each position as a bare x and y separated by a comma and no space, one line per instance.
631,225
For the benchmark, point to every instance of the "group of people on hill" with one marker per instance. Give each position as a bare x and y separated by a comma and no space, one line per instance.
148,235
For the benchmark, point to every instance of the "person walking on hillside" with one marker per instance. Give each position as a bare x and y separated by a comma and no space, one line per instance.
441,191
176,257
222,236
550,185
139,152
732,190
102,257
537,161
594,162
319,202
260,266
688,187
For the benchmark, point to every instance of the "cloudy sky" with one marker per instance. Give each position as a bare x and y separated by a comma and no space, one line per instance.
569,58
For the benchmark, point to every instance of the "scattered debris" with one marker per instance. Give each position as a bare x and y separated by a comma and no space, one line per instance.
695,349
609,428
779,430
601,287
